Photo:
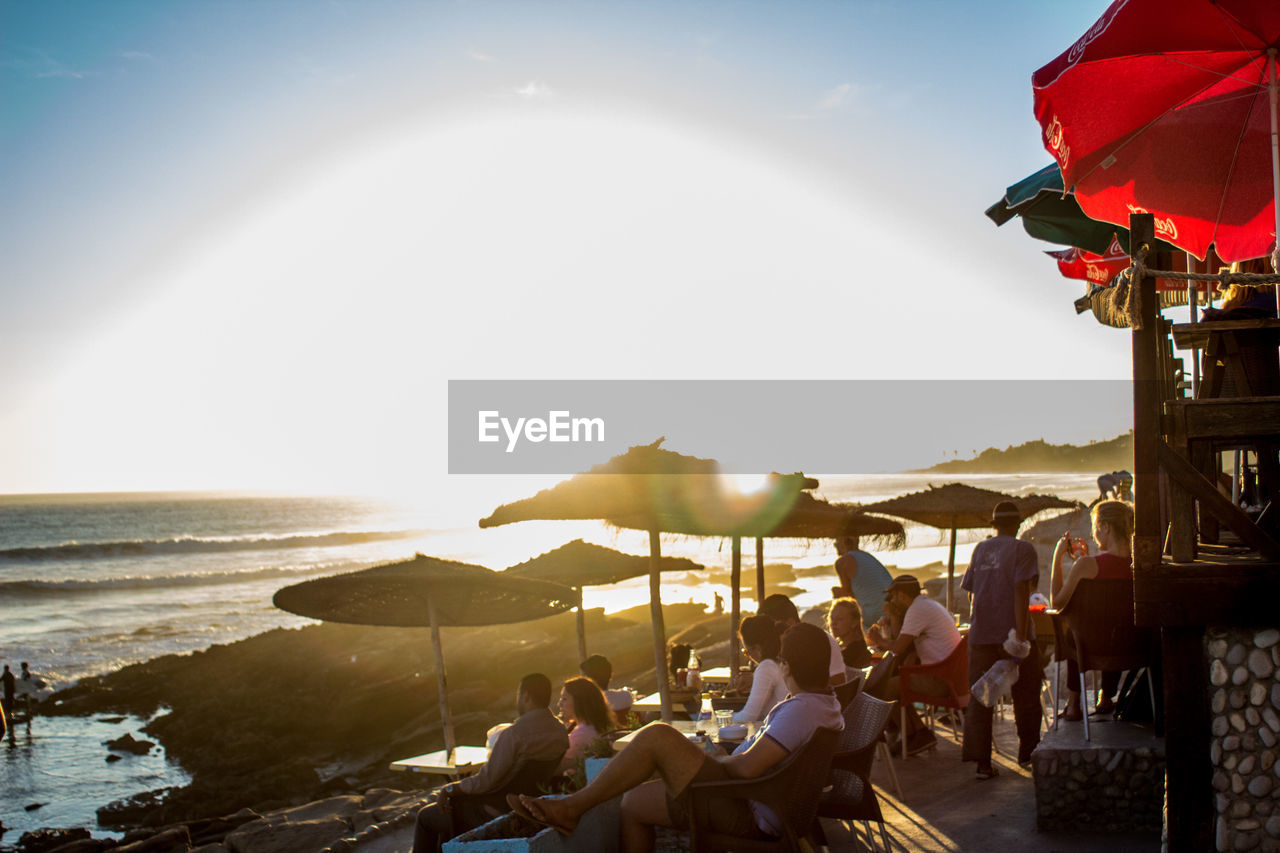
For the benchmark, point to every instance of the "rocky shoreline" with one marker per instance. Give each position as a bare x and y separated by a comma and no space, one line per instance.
294,717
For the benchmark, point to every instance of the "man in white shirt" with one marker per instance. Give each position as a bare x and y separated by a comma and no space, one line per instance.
928,635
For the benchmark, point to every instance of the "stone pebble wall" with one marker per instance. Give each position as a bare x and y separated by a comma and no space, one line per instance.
1099,789
1244,679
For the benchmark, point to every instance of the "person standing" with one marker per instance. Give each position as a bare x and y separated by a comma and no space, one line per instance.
863,577
10,690
1001,577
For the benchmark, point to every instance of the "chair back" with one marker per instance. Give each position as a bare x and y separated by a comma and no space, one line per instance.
879,673
953,669
791,789
852,686
864,721
1097,627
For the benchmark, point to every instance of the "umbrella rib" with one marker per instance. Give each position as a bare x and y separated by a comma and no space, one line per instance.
1133,135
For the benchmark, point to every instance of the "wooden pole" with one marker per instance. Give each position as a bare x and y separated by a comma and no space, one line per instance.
582,629
446,718
759,572
735,608
951,569
659,627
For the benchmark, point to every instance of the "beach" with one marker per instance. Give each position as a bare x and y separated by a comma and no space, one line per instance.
157,608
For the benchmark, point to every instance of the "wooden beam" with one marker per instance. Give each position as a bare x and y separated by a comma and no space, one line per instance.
1225,598
1211,499
1188,792
1148,537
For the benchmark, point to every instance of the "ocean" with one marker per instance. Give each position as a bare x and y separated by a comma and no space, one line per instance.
93,582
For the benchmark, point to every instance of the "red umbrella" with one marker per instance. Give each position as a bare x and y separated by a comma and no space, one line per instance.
1086,266
1169,107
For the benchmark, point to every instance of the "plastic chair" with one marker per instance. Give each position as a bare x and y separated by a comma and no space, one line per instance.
851,796
1096,630
524,778
954,671
791,789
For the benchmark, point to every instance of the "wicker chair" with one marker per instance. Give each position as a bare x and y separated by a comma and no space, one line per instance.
851,796
470,810
1096,630
791,789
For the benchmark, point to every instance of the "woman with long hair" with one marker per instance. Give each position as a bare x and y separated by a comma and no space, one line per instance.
586,715
844,619
1113,531
761,643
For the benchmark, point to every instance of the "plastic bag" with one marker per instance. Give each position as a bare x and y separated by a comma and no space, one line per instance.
1018,648
995,682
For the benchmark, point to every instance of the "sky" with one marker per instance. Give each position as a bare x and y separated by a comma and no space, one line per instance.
247,244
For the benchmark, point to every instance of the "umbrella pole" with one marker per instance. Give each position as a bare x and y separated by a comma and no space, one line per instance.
582,629
759,572
735,608
951,569
446,718
1275,163
659,628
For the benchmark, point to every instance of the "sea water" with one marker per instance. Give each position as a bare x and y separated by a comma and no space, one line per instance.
90,583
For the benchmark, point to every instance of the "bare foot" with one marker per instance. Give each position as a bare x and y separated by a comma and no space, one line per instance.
547,811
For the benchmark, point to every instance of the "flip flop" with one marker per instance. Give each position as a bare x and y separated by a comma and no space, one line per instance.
525,811
988,772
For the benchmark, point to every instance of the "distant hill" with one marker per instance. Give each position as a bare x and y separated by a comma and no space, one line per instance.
1038,455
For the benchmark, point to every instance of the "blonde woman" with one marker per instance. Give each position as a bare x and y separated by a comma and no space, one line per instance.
1113,531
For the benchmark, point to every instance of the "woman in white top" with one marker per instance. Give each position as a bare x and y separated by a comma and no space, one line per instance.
768,685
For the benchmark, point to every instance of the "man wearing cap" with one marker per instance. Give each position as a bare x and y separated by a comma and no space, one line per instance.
1001,577
929,634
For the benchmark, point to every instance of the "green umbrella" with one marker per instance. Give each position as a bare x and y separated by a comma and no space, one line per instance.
1051,213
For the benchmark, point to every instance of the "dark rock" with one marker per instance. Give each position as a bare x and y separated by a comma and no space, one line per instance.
127,743
277,835
131,811
46,839
112,720
112,758
30,807
85,845
174,840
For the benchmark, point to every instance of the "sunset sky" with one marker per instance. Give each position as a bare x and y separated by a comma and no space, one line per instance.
245,245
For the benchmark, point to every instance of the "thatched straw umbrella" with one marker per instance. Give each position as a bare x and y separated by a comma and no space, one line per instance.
650,488
426,592
578,564
959,505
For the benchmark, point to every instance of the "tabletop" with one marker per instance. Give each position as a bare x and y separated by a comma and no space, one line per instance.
685,727
465,760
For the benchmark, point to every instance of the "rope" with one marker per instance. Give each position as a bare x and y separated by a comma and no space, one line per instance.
1224,278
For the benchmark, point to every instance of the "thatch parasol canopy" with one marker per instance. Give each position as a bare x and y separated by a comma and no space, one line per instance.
579,564
426,592
399,595
961,505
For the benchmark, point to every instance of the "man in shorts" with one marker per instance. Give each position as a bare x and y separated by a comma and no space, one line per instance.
661,749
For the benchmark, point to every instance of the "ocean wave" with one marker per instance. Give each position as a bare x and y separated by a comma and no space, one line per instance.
198,545
30,588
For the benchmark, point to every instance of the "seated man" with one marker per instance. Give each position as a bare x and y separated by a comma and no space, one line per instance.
661,749
536,735
928,635
599,670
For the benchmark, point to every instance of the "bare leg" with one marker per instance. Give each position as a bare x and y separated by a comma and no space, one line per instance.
657,748
643,808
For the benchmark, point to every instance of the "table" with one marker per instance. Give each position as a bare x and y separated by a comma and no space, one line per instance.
465,760
686,727
719,677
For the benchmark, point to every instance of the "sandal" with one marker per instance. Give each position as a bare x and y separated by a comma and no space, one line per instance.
1073,715
987,771
525,809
